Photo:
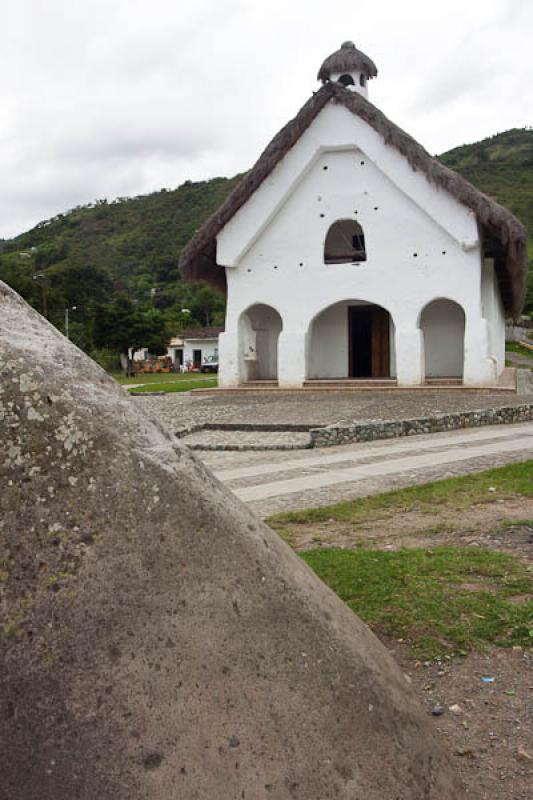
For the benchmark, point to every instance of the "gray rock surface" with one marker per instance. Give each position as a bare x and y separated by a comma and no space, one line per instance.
158,640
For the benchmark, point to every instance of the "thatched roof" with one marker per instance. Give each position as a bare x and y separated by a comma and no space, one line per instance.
504,237
201,333
347,59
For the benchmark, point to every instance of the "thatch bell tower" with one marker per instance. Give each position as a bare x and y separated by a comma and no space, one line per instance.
350,67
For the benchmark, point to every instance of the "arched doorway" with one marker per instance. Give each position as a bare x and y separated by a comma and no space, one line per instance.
259,330
443,328
352,339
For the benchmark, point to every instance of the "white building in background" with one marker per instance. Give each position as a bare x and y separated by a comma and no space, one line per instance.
194,347
348,252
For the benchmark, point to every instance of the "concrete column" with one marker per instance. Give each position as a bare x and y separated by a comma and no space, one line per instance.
409,356
292,367
229,373
480,369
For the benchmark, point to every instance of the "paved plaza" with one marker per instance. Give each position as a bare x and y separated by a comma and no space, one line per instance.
269,481
180,410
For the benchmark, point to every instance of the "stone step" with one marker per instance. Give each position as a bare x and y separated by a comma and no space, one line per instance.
444,382
350,383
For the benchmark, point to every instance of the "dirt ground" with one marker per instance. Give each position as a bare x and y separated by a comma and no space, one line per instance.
487,726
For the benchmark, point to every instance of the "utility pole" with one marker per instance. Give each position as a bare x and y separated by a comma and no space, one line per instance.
42,281
71,308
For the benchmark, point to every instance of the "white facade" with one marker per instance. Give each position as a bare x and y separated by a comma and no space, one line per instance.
192,352
288,311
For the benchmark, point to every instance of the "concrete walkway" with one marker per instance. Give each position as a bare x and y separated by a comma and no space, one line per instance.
271,482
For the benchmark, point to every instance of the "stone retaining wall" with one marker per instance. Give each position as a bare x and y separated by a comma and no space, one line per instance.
368,431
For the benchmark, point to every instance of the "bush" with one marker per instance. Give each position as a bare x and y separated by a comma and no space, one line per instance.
106,358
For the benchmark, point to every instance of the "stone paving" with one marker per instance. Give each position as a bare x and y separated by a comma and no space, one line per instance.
180,410
250,440
272,482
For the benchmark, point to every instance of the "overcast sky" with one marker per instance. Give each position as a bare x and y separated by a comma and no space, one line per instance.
107,98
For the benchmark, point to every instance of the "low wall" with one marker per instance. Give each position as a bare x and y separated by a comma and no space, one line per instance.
393,429
516,333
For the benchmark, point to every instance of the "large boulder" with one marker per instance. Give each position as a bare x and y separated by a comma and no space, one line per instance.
158,640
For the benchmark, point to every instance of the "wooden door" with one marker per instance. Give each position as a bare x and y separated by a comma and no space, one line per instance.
380,343
369,342
360,342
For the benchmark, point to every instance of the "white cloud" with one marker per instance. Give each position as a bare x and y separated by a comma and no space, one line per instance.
101,98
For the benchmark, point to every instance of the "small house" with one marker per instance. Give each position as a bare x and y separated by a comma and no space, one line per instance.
194,347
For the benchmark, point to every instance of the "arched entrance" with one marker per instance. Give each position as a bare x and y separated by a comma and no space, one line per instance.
352,339
443,327
259,330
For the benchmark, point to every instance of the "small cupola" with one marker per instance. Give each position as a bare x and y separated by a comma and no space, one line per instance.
349,67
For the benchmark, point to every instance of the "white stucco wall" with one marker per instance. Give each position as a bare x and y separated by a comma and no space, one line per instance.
209,347
260,327
328,346
421,245
443,326
493,312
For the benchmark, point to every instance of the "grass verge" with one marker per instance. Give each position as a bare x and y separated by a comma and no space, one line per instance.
515,347
176,386
160,377
441,601
458,493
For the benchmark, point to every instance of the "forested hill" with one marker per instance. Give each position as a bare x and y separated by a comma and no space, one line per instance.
117,261
501,166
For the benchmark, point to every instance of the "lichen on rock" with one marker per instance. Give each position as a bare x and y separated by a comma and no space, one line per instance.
159,641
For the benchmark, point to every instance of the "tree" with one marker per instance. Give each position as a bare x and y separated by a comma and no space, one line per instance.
121,325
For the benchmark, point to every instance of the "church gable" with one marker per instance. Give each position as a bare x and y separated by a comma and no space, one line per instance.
340,169
504,236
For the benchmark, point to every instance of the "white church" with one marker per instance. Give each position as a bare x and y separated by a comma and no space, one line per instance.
349,253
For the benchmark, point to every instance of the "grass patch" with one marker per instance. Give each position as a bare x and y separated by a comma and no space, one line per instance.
176,386
159,377
515,347
417,595
455,493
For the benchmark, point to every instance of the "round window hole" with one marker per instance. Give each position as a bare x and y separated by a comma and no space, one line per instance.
248,270
444,252
362,163
275,266
301,263
415,255
322,215
325,167
376,208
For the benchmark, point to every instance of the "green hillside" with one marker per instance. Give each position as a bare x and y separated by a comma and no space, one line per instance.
116,261
501,166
